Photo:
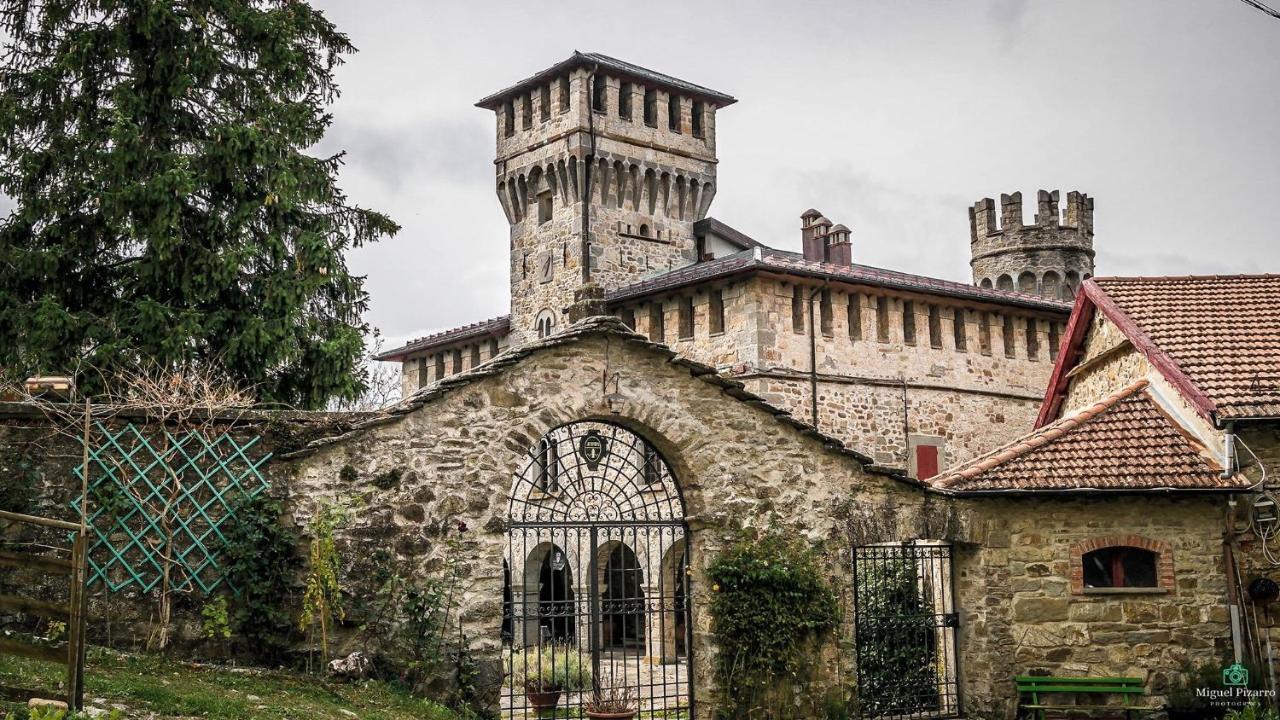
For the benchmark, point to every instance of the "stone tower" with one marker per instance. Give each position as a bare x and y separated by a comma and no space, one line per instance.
598,147
1049,258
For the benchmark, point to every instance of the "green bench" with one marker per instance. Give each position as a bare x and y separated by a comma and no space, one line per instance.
1032,687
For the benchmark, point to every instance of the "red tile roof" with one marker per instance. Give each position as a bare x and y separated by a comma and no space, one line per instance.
781,261
495,327
1124,442
1222,333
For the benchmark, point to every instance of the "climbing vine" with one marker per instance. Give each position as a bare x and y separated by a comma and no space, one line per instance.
771,609
322,598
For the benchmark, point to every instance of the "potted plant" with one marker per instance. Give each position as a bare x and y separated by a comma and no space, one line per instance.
611,700
547,672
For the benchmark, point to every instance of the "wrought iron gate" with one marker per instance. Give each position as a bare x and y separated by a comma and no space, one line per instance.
905,631
597,578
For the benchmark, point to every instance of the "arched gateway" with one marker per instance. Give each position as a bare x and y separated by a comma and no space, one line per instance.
597,559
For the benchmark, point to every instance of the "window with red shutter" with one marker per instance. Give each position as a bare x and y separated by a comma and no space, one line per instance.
926,461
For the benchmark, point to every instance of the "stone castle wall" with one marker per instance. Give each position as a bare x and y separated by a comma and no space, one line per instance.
968,390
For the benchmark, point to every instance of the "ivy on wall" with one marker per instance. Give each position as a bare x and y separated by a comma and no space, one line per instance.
772,608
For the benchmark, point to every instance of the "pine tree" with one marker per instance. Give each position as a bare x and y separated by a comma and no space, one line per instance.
166,210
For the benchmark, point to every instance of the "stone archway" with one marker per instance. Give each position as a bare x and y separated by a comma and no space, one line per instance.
596,514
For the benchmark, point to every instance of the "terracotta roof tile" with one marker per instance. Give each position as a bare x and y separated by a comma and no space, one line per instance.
1223,332
1124,442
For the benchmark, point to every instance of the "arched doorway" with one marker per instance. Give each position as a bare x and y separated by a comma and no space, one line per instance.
598,542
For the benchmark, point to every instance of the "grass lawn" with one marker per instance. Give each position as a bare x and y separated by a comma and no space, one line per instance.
158,687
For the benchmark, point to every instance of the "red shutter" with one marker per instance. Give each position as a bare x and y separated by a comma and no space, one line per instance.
926,461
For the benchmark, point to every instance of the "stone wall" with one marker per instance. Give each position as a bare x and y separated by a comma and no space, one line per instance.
1020,613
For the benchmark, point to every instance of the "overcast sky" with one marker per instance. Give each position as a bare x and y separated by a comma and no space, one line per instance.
889,117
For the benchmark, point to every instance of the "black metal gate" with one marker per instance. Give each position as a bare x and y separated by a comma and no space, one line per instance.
597,578
905,631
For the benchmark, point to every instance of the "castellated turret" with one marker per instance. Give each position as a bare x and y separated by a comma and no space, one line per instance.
1049,258
602,169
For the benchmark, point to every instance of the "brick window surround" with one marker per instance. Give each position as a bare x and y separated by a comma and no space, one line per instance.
1164,562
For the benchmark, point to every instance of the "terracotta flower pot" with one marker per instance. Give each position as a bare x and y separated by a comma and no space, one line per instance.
625,715
543,700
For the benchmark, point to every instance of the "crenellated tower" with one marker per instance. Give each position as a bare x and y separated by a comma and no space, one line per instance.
599,156
1050,257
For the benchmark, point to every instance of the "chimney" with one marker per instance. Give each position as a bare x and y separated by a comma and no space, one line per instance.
814,237
839,249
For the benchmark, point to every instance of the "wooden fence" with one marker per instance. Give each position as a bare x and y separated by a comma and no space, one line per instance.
69,562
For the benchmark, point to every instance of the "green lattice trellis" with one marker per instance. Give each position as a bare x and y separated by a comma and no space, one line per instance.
128,487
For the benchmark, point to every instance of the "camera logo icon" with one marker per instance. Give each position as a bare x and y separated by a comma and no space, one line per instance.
1236,675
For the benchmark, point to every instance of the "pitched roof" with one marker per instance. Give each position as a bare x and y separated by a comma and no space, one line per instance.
617,67
500,325
1125,442
791,263
1215,338
1223,332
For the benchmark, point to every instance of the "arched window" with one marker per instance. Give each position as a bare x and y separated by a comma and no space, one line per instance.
1027,283
1120,567
1004,282
545,323
986,283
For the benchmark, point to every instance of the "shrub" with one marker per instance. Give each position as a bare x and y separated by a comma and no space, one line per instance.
771,606
261,561
551,667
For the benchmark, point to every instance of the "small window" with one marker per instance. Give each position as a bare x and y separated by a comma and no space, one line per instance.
509,118
959,330
855,316
650,107
544,102
715,311
657,323
673,112
686,317
1120,567
644,230
882,319
548,466
545,323
1010,348
797,310
457,360
1033,340
908,322
439,366
564,94
475,355
1054,340
935,327
526,112
597,93
652,465
624,101
493,347
984,333
423,380
544,208
628,317
698,110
